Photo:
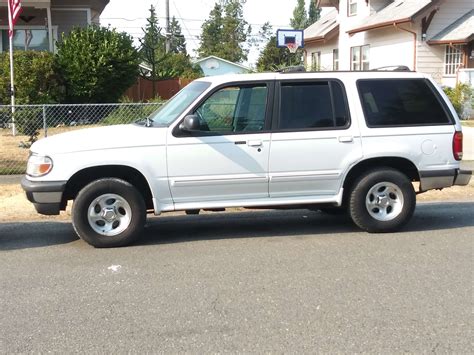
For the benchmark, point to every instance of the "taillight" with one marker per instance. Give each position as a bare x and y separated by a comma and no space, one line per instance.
457,145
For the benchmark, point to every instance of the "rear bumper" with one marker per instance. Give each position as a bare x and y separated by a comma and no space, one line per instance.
47,197
463,177
439,179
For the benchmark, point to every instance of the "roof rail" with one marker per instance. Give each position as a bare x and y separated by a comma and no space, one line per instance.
293,69
392,68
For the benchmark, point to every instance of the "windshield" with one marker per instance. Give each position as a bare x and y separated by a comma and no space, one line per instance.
179,103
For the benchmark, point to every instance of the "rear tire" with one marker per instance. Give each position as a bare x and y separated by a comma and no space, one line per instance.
109,213
382,200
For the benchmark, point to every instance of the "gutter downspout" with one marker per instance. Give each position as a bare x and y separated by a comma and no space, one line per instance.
415,37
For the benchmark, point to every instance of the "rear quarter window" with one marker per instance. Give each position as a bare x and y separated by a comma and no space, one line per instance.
401,102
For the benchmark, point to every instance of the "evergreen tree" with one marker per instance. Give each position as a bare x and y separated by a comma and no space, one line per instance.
235,32
176,38
162,65
152,51
300,18
273,58
211,35
225,32
314,13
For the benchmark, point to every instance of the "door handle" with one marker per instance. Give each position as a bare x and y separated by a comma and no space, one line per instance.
255,143
346,139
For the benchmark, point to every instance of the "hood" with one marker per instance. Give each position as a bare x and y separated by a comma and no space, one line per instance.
100,138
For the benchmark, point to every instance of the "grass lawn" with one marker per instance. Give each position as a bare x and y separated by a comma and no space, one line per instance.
469,123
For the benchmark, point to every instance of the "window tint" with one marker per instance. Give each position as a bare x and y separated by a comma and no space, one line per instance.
400,102
310,105
234,109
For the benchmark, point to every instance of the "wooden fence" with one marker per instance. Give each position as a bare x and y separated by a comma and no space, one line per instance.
142,91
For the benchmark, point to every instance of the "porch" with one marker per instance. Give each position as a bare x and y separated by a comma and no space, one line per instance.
43,22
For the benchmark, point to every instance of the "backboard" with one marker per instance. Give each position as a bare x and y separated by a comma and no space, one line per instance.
290,39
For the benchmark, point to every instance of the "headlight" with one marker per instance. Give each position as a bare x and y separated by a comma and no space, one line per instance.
39,165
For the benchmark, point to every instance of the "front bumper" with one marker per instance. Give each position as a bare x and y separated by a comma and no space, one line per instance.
439,179
47,197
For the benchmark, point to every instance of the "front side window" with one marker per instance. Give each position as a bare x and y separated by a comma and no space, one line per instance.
352,7
312,105
234,109
400,102
360,58
454,58
179,103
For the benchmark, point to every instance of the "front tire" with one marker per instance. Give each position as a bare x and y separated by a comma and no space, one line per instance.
109,213
382,200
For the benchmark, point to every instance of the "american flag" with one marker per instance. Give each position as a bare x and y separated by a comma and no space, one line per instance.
14,7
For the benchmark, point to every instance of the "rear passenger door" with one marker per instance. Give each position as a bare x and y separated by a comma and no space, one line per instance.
313,140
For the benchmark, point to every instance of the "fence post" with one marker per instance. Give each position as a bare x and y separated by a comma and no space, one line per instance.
45,126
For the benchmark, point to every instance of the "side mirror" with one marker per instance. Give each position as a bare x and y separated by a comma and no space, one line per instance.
190,123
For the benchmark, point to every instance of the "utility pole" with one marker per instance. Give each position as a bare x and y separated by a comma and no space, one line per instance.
168,33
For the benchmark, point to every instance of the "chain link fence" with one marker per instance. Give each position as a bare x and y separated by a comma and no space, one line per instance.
23,125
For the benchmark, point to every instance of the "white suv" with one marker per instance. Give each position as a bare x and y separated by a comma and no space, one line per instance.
338,141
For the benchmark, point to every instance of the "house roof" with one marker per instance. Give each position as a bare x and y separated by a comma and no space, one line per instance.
323,29
399,11
201,60
460,32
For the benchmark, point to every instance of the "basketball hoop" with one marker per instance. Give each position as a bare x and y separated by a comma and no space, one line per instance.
292,47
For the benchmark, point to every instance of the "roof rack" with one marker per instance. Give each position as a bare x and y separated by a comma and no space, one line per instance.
392,68
293,69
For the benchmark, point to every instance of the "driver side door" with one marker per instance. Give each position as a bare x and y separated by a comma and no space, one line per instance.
225,161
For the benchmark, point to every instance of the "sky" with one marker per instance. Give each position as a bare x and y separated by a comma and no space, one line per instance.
130,16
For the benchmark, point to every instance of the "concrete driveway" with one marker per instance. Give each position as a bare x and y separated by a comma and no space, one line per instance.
468,133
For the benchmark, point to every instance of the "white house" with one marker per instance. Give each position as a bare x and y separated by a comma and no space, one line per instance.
435,37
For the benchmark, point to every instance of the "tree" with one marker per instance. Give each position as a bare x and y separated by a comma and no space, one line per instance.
314,13
273,58
174,64
225,32
211,33
300,18
153,49
176,38
97,64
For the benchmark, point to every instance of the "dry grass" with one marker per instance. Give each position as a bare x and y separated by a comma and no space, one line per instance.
12,157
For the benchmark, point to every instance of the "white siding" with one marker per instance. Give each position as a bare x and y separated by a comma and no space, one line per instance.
326,50
389,47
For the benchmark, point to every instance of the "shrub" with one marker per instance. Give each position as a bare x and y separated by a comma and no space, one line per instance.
97,64
36,78
458,96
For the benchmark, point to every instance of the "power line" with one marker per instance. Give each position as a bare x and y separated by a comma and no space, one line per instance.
180,18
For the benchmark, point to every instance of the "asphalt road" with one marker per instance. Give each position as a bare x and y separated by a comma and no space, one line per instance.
286,281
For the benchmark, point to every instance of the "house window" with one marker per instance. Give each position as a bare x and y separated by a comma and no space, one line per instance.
316,61
351,7
360,58
335,59
27,39
454,58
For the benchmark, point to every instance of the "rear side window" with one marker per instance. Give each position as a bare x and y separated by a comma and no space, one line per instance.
312,105
400,102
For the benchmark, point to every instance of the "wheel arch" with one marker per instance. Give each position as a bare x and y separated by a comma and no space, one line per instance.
403,165
87,175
